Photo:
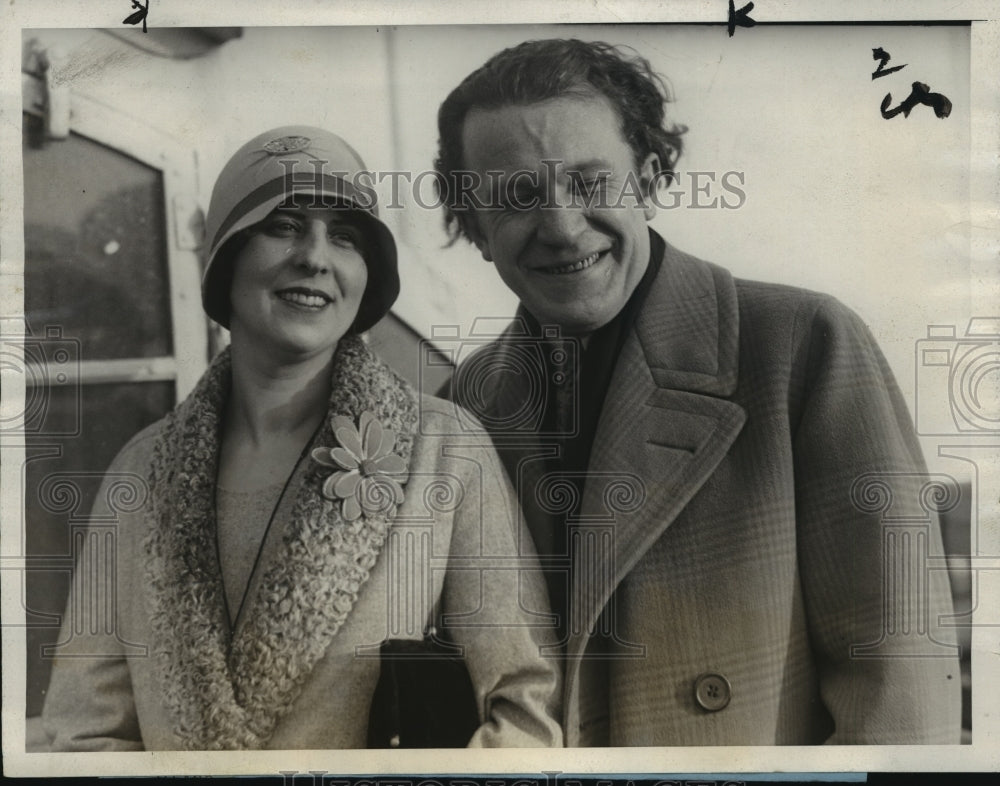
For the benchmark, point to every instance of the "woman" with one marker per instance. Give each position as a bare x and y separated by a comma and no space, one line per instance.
296,509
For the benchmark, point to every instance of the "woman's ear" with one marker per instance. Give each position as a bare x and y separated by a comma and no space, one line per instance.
649,172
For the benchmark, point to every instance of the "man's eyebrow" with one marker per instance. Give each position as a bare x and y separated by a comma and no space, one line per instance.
591,165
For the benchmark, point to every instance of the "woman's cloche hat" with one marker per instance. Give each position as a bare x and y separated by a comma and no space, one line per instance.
267,170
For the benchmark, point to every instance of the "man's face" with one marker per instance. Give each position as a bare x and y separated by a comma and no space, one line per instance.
564,222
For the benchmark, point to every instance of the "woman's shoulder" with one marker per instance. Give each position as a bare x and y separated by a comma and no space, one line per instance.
137,452
452,440
439,417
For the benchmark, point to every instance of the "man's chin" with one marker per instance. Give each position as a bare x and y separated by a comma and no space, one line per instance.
575,324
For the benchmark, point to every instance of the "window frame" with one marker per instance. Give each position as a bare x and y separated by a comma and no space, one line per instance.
117,130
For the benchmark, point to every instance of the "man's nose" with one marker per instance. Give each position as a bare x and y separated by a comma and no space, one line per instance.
561,221
312,251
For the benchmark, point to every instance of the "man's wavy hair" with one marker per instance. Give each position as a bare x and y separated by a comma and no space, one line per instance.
539,70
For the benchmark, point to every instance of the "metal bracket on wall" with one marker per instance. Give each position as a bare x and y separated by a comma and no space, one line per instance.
54,103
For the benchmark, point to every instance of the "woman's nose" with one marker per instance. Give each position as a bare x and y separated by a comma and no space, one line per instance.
312,251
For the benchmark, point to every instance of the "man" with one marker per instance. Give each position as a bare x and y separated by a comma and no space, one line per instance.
714,459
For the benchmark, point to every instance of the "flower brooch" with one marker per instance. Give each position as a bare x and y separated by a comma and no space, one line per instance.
369,476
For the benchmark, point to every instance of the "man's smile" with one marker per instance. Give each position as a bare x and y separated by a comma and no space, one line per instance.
572,267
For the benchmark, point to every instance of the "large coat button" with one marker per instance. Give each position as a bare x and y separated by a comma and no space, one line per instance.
712,691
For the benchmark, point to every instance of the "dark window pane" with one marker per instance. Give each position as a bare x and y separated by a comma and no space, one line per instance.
62,476
95,247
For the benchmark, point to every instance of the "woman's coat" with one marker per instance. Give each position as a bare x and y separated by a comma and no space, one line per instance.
344,565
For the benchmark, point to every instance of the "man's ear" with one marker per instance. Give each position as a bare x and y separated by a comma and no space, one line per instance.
471,226
649,171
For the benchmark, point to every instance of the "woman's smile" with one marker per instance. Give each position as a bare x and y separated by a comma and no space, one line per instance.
304,297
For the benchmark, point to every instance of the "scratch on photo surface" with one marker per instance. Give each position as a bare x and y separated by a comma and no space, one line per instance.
718,64
85,63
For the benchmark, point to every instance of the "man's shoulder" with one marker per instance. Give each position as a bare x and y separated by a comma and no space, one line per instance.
770,316
795,309
754,295
756,300
767,297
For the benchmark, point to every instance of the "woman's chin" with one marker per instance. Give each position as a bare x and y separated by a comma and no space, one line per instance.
289,344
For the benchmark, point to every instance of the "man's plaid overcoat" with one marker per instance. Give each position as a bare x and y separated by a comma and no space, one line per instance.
749,565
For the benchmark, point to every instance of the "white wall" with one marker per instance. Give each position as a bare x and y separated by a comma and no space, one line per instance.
838,199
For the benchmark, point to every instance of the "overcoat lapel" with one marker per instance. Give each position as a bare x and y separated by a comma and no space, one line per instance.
230,691
664,428
514,420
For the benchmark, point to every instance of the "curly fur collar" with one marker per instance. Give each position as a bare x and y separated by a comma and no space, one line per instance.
230,693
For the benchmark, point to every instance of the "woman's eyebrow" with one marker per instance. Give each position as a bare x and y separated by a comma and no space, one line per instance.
289,207
337,215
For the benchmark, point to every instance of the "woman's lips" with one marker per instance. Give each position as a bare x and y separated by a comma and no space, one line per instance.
300,296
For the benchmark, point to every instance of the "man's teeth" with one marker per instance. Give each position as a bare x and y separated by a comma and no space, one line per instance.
574,267
302,299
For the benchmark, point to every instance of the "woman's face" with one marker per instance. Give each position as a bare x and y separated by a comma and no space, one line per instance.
298,281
